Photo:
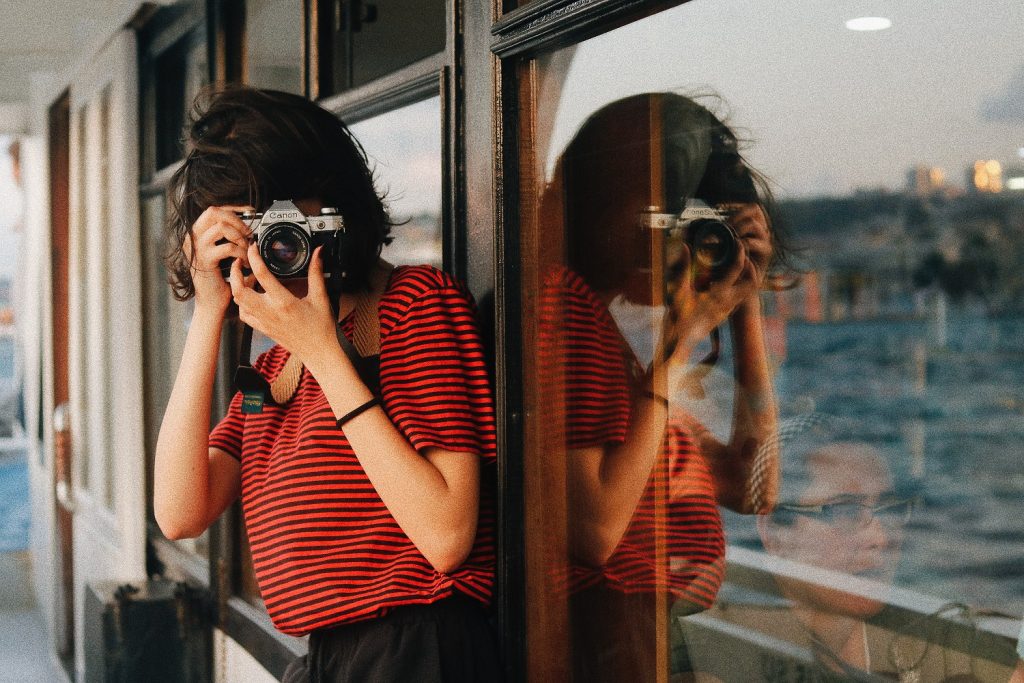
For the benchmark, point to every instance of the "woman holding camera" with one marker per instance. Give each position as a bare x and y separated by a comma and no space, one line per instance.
644,478
370,526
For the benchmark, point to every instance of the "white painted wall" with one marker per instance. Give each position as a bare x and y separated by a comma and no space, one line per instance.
109,543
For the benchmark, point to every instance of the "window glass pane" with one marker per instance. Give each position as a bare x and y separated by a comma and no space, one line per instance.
849,442
273,44
404,148
374,39
179,73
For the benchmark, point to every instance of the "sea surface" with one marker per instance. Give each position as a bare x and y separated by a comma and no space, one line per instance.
944,403
14,502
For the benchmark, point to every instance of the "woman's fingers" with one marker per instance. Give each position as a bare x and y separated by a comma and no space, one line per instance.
218,253
315,284
208,245
751,225
241,290
223,231
213,215
235,280
220,222
271,285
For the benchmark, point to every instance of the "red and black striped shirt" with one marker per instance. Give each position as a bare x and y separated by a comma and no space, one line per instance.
325,548
587,353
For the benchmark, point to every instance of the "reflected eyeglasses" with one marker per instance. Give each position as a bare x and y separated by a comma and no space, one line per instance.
849,514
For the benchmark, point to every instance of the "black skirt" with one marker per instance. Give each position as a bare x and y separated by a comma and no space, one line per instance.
450,641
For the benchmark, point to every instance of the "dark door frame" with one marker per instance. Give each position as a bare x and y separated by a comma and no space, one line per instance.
59,122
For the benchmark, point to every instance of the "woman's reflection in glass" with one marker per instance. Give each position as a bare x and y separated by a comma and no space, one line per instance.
644,478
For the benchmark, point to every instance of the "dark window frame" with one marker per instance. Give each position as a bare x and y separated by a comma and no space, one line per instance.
418,82
544,25
157,33
167,28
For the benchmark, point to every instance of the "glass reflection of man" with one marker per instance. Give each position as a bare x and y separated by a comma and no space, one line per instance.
838,511
644,479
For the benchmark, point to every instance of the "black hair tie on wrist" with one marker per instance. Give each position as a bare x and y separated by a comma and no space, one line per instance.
358,411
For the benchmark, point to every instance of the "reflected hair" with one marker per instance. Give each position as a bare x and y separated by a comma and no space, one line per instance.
701,158
247,146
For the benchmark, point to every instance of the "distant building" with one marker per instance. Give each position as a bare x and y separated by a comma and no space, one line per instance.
986,175
925,181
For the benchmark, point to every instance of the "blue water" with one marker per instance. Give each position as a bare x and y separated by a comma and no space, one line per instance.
14,504
7,350
949,417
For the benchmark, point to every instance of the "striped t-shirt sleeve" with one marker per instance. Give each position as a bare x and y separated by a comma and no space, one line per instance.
433,373
588,351
227,435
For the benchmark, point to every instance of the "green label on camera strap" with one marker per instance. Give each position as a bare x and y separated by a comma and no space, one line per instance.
252,402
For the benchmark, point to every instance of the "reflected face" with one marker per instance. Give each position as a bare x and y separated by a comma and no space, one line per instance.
846,520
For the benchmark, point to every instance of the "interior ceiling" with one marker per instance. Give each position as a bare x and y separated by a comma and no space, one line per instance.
48,36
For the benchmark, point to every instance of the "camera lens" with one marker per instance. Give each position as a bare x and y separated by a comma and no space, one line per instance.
285,249
712,245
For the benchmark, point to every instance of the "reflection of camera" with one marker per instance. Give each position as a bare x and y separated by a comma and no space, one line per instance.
713,243
287,238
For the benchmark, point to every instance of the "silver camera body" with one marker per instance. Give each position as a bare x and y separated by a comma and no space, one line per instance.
286,238
713,243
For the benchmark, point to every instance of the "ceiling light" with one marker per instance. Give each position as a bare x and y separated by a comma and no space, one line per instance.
869,24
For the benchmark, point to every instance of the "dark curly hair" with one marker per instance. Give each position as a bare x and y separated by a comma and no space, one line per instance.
610,157
246,146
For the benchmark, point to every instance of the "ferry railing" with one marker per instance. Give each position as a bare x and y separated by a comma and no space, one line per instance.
745,640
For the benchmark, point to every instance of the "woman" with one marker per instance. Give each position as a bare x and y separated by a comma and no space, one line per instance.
363,510
644,477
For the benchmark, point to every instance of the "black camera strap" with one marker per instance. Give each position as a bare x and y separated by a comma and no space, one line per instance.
255,389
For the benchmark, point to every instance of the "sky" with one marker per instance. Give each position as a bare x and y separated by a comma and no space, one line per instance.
826,110
404,147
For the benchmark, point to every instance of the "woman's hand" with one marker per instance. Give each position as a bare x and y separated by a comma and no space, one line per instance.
304,326
695,308
216,235
751,226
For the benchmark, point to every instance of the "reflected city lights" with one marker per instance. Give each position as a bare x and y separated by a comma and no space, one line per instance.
869,24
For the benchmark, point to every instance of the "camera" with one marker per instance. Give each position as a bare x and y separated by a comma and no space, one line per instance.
286,238
713,244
